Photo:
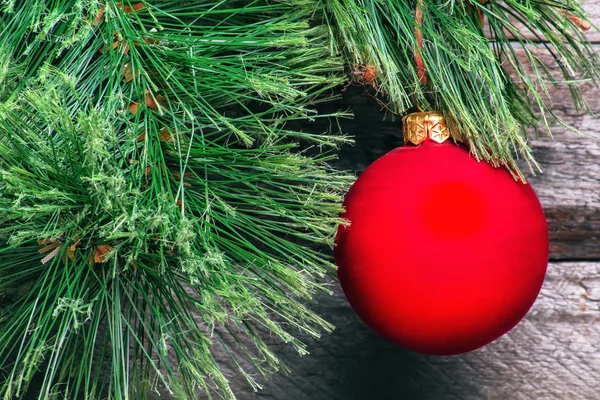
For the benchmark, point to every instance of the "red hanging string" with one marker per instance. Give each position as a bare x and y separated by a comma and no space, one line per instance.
419,38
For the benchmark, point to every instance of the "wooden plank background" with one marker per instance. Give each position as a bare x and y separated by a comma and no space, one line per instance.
554,353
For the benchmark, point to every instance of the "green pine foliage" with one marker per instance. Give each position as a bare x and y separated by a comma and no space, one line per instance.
157,205
491,80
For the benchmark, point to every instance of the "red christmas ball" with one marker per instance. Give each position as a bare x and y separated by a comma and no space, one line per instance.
443,253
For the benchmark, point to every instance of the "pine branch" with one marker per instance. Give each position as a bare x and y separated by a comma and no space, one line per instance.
486,87
156,204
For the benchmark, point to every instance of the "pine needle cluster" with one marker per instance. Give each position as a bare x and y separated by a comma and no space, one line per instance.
156,206
489,64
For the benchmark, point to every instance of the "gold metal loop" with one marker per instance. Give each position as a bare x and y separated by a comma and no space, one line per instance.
419,126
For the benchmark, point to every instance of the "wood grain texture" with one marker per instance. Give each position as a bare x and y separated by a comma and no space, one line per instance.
569,187
553,354
569,190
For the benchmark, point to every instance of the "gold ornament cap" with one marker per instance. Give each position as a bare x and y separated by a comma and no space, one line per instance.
419,126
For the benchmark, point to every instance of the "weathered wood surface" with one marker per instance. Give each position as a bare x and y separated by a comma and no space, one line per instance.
554,354
569,189
592,7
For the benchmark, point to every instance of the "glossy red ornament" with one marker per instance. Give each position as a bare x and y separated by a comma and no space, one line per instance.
443,253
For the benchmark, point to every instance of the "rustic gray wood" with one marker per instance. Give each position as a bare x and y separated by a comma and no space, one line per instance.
569,187
553,354
592,7
569,190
